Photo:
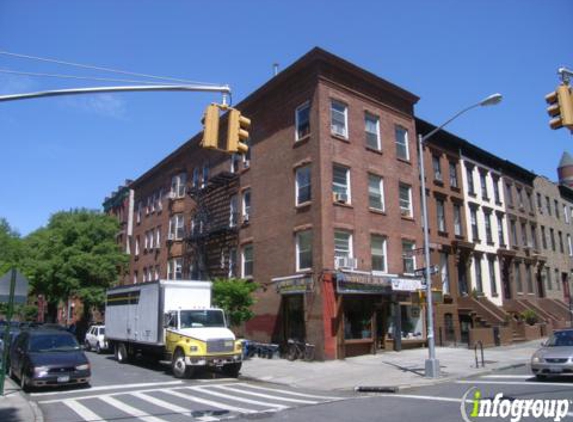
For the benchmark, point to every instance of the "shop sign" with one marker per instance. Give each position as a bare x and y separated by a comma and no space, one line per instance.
406,284
358,283
293,285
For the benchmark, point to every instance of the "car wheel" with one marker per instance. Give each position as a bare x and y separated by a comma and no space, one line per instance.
98,348
24,382
87,346
179,367
121,353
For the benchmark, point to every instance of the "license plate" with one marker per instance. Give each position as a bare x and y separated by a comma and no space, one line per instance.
555,369
65,378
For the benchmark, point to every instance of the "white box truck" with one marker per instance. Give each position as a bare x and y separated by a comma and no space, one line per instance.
171,320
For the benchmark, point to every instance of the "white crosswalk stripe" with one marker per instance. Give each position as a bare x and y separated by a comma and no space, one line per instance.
530,383
222,400
515,376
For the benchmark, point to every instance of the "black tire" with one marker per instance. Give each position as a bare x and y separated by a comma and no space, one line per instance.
232,370
121,354
98,348
178,366
87,346
24,382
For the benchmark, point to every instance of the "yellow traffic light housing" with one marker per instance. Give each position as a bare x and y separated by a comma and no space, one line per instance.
560,107
211,127
237,132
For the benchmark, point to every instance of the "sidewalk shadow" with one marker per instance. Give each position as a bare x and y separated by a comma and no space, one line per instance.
9,414
421,372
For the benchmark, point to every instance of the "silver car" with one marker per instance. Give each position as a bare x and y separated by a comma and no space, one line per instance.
555,358
95,339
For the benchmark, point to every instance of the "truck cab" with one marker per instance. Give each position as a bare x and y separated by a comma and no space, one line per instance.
200,337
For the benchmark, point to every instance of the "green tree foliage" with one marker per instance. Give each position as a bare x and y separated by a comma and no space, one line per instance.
235,297
10,247
75,254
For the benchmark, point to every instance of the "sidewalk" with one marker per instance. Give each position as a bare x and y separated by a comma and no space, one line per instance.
14,407
393,370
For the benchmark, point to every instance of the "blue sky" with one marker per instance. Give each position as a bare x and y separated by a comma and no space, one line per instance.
67,152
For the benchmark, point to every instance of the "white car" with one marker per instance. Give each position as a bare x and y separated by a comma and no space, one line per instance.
95,339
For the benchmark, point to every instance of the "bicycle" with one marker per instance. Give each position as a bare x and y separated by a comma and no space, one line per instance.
299,350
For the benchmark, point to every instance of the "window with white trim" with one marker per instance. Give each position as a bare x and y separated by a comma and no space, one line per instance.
437,167
458,220
178,184
342,244
405,192
378,253
138,213
176,227
441,214
341,183
408,257
246,208
247,261
303,184
205,176
136,245
158,237
232,263
372,131
375,192
196,177
304,250
401,139
233,211
302,121
339,118
175,269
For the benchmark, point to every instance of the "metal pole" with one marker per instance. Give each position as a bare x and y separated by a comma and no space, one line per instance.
432,367
7,330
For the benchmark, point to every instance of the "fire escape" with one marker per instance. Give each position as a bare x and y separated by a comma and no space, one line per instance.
213,239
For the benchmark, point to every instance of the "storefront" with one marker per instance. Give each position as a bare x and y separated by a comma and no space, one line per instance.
294,291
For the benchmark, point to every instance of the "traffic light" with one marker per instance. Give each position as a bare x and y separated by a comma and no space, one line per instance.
560,107
211,127
237,132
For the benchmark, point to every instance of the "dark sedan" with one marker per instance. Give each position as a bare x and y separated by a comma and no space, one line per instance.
41,358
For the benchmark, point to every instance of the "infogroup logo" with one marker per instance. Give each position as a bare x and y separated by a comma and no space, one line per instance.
510,408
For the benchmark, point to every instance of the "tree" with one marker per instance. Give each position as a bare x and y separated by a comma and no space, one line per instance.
10,247
235,297
74,255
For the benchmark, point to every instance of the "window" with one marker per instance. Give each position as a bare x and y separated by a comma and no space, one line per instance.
569,245
496,196
444,272
378,253
178,184
175,269
196,177
232,262
483,182
235,160
470,177
453,175
479,280
136,245
158,237
556,209
529,278
509,194
548,205
517,276
561,249
159,204
205,176
513,227
557,283
341,183
408,258
303,183
157,272
247,259
304,250
458,220
534,244
338,119
233,211
138,214
401,135
145,240
437,168
520,197
549,280
372,130
500,235
565,214
342,244
246,210
151,239
247,155
375,192
492,280
488,233
441,214
474,224
552,237
302,121
524,241
176,227
405,200
150,205
539,203
543,237
529,201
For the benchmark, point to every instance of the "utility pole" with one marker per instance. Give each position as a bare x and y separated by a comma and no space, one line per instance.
6,337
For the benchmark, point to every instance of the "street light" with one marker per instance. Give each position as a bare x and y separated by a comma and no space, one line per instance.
432,366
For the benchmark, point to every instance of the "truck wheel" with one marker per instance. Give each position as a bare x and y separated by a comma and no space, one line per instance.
232,370
179,367
121,353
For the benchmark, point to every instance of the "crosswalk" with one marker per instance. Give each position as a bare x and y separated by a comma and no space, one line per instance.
173,402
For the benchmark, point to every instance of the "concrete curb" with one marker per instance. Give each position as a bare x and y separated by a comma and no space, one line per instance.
38,415
21,401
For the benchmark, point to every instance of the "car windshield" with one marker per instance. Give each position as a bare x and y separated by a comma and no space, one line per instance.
561,338
204,318
53,343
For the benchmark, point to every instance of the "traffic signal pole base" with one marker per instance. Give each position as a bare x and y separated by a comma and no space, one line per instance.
432,368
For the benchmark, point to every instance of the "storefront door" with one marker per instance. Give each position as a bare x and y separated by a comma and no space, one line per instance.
293,309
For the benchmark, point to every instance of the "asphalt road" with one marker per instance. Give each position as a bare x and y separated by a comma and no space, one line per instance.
147,392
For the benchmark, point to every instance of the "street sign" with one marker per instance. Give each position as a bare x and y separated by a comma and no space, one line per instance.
20,292
422,271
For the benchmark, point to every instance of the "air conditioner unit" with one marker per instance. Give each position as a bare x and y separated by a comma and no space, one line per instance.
345,262
341,198
246,218
171,195
247,163
171,237
404,212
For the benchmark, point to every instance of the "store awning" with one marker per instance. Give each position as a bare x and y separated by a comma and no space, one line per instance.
294,284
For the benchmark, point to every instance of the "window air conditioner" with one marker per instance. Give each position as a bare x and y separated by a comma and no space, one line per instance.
171,236
171,195
345,262
340,197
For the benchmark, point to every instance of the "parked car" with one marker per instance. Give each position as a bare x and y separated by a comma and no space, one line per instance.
45,357
555,356
95,339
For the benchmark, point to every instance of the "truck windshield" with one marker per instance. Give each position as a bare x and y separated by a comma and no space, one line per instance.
205,318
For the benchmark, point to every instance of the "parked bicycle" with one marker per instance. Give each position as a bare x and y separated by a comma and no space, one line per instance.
299,350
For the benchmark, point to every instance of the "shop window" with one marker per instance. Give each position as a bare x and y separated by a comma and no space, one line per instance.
357,319
410,321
